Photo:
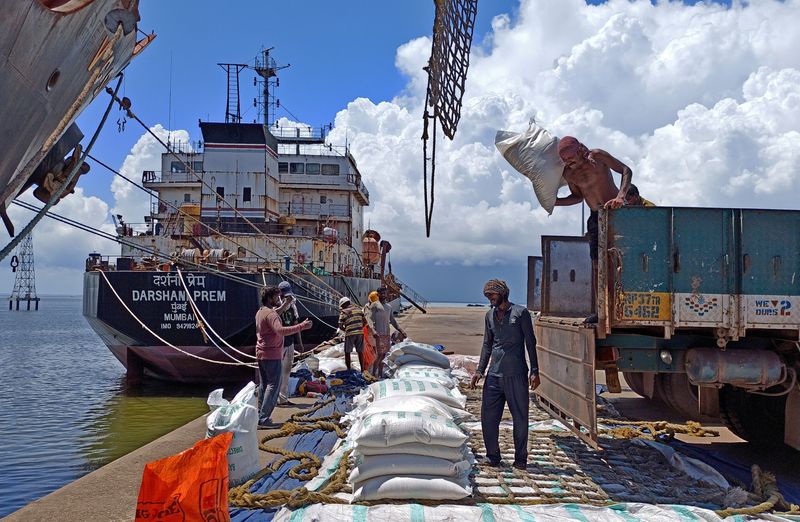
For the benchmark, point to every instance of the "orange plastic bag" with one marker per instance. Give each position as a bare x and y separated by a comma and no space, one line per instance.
192,485
369,351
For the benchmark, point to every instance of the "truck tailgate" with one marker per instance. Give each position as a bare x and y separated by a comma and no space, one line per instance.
565,348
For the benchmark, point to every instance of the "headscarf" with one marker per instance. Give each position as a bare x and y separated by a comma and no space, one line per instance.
373,296
568,147
496,286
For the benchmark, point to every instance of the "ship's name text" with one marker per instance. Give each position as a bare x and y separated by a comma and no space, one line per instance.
172,279
177,295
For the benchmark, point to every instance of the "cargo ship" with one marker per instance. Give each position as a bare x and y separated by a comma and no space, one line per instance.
248,205
56,56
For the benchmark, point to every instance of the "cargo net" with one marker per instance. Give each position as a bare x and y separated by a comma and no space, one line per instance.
447,67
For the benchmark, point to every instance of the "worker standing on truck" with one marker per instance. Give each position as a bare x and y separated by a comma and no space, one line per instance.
508,330
634,199
588,175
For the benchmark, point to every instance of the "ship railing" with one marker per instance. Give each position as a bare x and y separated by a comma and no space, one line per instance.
297,132
411,293
157,176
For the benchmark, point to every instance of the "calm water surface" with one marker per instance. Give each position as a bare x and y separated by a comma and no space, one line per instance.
65,409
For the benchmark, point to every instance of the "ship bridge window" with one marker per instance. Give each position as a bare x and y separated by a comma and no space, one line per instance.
296,168
221,191
312,168
283,167
330,169
246,194
197,166
177,166
187,198
323,199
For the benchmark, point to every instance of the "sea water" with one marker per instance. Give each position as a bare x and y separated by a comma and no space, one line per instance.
65,409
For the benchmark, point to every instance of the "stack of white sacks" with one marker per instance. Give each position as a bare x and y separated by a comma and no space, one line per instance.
405,431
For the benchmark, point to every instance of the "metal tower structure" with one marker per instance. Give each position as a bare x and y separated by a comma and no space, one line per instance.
25,280
233,113
267,69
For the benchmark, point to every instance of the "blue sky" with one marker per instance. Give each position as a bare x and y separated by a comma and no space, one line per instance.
697,97
338,51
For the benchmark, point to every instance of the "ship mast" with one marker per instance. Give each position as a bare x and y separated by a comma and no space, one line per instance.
267,69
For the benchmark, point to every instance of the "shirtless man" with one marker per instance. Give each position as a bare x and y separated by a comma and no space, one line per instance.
588,175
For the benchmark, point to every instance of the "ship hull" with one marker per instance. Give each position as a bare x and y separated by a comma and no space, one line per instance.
175,348
53,63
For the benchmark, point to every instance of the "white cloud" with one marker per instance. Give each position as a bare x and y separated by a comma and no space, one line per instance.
129,201
59,249
703,102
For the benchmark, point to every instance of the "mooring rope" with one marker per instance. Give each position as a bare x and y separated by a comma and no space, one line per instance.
167,343
205,324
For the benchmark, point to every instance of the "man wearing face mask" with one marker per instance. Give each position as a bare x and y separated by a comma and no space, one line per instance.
508,332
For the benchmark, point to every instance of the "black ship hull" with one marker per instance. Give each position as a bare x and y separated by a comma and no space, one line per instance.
175,348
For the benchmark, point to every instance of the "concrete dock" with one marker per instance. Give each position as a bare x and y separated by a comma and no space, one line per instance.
110,493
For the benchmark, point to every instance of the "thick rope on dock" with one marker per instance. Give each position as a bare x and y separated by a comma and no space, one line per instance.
655,430
308,468
765,486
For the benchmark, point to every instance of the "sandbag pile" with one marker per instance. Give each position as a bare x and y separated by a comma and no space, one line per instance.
406,433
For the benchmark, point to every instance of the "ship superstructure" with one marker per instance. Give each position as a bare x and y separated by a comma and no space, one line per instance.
246,206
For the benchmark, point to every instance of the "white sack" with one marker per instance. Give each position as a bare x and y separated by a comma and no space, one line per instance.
439,377
415,448
402,427
534,154
408,388
412,403
410,512
421,351
335,351
367,467
240,417
412,487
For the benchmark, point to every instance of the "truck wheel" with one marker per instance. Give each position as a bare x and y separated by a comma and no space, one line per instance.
635,382
679,394
755,418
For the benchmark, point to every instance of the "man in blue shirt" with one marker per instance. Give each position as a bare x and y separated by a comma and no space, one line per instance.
507,333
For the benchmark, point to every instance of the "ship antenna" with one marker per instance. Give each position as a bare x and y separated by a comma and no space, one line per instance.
267,69
169,106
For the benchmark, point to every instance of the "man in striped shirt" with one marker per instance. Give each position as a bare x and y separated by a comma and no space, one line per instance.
351,320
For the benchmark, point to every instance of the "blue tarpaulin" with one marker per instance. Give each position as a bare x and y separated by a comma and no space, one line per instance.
318,442
734,468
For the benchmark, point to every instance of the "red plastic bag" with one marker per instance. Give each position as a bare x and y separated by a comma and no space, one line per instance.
369,351
192,485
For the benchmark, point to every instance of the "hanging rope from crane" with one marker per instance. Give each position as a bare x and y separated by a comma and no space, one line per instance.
447,67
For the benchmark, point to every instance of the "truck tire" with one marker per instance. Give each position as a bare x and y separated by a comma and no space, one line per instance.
679,394
755,418
635,382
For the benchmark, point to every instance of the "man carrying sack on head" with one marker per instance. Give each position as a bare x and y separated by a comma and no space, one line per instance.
508,331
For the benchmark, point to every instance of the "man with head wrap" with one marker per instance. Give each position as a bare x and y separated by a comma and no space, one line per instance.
508,331
588,175
379,315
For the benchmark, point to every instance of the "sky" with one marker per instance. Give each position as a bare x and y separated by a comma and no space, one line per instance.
700,99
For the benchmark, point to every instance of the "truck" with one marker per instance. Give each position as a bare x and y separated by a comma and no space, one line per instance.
697,307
